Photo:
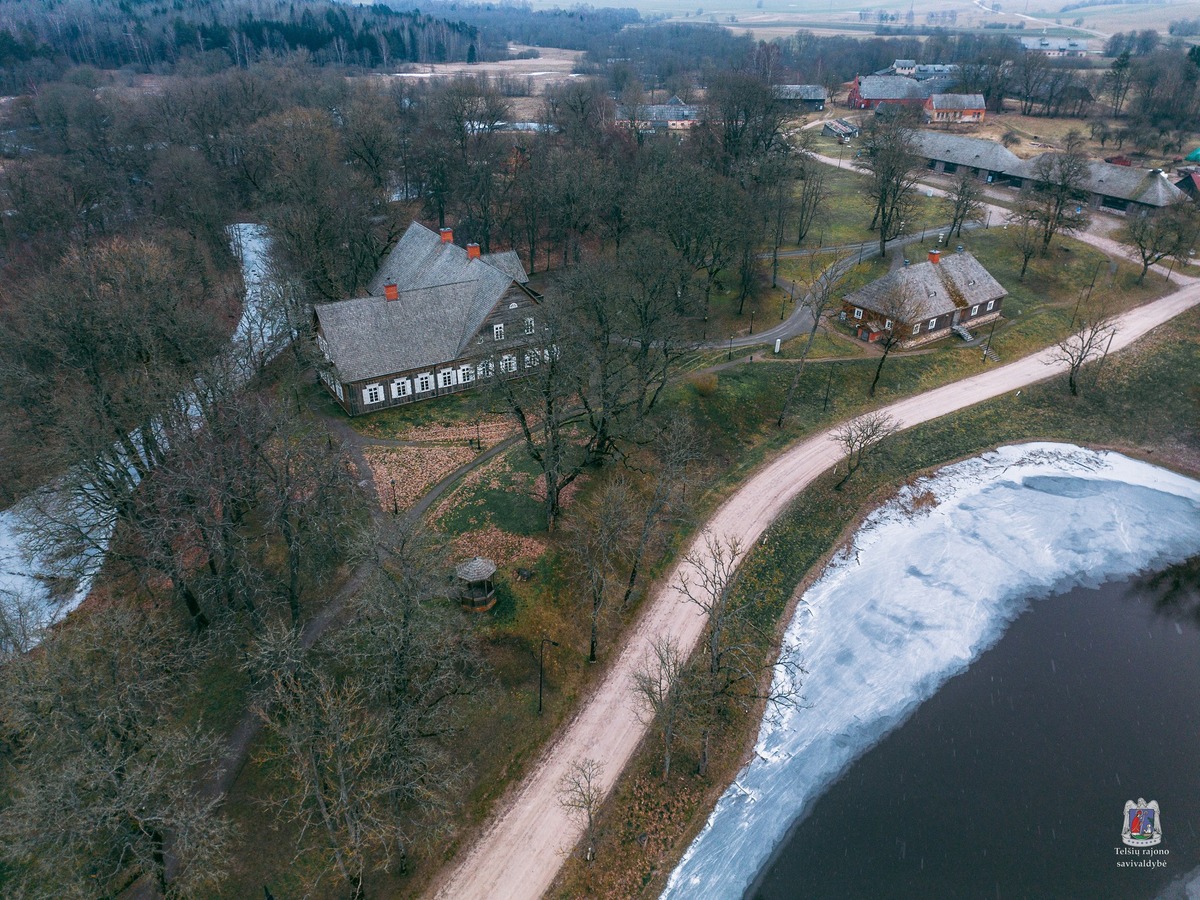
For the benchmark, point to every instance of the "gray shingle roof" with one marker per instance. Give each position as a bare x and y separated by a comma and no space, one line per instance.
889,87
1122,182
800,92
978,153
444,298
663,112
956,101
477,568
958,281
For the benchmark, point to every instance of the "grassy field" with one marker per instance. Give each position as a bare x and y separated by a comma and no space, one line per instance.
1146,403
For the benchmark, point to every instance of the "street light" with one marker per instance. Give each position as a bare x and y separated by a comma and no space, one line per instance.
752,321
395,506
541,667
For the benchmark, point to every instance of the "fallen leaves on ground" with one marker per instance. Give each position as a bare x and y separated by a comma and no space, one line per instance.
501,547
414,470
490,430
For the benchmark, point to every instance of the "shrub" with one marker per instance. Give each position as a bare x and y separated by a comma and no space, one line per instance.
705,383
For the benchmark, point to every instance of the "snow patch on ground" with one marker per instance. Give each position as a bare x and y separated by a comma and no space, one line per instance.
914,599
25,580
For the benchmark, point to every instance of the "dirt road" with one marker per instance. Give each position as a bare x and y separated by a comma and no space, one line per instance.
520,853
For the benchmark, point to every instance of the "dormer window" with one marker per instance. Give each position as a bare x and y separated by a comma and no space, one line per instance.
498,332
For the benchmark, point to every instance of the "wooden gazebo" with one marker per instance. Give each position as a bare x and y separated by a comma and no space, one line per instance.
475,585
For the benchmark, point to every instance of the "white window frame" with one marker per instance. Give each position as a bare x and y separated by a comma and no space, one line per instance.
423,383
991,303
531,359
917,328
887,324
975,309
401,387
486,369
446,378
498,331
374,393
857,313
337,389
466,373
508,363
932,324
529,325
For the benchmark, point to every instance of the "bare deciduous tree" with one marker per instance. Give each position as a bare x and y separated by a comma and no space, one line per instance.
900,309
818,299
1156,235
1058,193
1025,231
966,201
600,547
661,689
99,770
892,164
810,204
580,793
1091,338
679,448
734,644
859,436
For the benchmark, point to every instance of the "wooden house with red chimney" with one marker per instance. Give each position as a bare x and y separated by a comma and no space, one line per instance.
926,301
438,318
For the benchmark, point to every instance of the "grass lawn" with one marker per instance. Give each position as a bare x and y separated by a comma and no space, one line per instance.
453,409
848,211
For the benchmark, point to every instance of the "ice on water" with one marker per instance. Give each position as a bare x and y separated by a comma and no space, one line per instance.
24,588
914,599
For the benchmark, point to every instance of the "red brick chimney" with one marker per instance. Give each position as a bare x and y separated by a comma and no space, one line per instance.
472,251
447,235
935,256
391,292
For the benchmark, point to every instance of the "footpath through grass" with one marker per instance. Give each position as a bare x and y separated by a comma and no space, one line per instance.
1145,401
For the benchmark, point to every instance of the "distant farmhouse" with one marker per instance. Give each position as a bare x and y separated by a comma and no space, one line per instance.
920,72
954,109
872,91
935,296
1055,46
810,97
438,318
1117,188
674,115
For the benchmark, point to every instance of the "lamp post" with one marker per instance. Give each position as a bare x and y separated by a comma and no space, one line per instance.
395,506
541,667
752,321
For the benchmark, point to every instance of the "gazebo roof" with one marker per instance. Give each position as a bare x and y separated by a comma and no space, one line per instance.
475,569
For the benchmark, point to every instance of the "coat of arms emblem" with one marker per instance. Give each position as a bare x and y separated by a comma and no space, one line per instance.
1142,825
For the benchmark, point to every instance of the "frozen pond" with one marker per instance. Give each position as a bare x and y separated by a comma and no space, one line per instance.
931,581
1011,780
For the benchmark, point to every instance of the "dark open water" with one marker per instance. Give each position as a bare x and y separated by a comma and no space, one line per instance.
1012,780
